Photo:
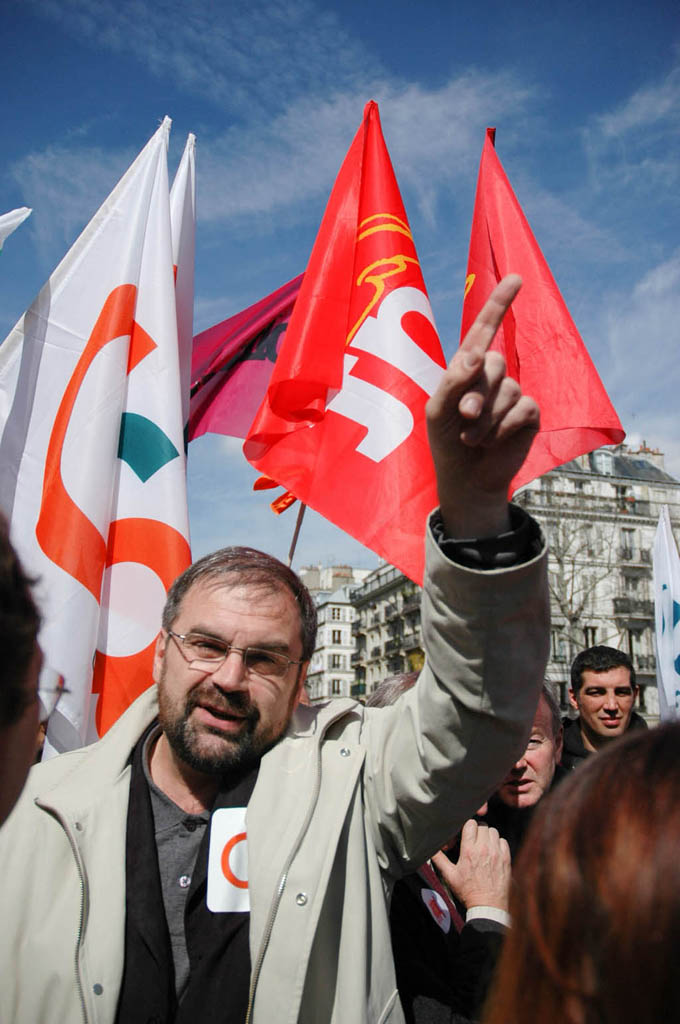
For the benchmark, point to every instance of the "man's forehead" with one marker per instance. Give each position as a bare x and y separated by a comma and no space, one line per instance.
618,676
543,718
220,591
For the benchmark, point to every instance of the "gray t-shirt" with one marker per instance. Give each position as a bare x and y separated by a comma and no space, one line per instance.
178,839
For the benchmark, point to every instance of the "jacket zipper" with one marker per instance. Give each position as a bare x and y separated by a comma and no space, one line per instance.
282,885
83,901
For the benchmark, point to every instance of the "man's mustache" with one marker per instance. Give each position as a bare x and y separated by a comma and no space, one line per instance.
237,703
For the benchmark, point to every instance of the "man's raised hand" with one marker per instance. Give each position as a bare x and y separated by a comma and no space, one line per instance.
480,427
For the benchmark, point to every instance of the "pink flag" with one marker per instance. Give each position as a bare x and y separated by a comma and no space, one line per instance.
232,362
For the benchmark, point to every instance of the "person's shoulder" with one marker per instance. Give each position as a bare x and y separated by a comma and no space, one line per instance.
317,718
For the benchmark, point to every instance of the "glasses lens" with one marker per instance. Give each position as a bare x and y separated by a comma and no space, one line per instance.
50,688
204,648
265,663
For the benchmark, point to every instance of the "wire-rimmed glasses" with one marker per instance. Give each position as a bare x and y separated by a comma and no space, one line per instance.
208,653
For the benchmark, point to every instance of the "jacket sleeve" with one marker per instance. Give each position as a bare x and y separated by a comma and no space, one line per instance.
434,757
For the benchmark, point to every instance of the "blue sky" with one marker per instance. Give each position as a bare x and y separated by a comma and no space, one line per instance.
585,98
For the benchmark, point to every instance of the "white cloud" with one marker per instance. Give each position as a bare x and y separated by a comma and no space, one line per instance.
434,138
651,104
66,184
247,57
634,147
642,368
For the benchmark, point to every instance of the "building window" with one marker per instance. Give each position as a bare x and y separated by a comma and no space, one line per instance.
336,687
604,462
336,614
337,660
590,636
558,646
337,636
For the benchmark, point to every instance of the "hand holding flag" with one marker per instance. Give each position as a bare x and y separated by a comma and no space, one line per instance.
480,427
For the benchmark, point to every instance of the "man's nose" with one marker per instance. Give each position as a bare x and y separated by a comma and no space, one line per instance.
231,674
521,764
610,702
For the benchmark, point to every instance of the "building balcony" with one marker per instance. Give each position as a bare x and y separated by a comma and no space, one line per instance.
358,689
357,657
391,613
634,606
641,557
410,643
376,651
412,605
392,645
357,628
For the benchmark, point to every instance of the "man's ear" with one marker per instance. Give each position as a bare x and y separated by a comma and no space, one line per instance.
159,655
299,686
573,698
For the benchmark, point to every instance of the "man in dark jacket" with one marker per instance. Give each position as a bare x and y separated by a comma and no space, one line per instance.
603,690
533,776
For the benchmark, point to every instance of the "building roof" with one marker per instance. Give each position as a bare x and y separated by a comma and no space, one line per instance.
627,466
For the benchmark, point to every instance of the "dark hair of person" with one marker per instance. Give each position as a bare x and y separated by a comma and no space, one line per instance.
19,625
595,903
554,708
390,689
237,566
599,659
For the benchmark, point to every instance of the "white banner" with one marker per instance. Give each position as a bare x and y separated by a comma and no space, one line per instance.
92,467
9,222
667,615
183,226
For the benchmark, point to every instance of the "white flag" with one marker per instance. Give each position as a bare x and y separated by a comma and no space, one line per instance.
92,467
183,226
667,615
9,222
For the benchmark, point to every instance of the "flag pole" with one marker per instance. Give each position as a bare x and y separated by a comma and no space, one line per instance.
296,532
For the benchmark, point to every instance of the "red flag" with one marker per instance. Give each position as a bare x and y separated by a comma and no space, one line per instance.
343,422
542,347
231,364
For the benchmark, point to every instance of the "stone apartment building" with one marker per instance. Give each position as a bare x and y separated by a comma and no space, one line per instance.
386,628
600,512
331,673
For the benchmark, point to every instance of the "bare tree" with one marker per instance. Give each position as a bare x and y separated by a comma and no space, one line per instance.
582,573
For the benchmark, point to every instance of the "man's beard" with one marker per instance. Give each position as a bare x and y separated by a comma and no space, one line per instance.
238,753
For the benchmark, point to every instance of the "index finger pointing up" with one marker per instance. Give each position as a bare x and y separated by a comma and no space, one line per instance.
478,339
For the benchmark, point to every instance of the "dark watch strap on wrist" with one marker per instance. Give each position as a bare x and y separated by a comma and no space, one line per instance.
518,545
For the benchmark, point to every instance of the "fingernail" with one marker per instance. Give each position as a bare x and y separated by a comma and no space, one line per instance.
470,405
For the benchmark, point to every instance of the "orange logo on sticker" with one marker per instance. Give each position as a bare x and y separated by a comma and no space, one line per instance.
239,883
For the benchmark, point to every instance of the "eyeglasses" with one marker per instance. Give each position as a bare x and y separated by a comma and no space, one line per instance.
50,690
207,653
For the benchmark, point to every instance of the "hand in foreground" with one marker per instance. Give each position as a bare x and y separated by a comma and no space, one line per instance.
480,427
481,878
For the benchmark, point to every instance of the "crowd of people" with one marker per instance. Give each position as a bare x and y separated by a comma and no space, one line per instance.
227,852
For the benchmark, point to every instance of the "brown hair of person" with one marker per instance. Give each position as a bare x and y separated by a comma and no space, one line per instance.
595,901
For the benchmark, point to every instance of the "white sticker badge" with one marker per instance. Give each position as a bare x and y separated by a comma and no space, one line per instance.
228,862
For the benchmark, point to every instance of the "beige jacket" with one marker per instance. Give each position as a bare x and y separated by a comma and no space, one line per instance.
350,799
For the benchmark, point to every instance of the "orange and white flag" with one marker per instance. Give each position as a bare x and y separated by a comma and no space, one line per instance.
92,466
